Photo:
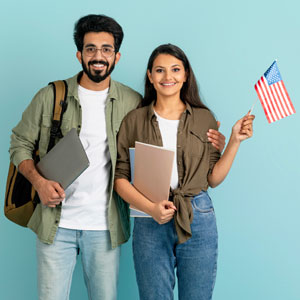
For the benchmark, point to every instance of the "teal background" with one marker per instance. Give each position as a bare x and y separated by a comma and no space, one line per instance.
230,44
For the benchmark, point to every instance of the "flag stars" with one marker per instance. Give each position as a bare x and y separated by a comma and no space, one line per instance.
272,74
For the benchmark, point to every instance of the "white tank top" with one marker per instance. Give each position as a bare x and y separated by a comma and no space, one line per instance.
168,130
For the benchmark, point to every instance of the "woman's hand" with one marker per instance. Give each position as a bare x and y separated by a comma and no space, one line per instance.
162,212
243,128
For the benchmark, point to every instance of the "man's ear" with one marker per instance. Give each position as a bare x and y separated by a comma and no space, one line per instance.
118,56
79,56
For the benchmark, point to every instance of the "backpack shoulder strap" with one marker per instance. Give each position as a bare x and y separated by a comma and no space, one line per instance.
60,90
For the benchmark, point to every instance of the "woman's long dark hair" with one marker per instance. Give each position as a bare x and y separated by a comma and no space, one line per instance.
189,92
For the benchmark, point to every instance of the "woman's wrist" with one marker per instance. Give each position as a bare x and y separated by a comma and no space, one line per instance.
234,140
149,208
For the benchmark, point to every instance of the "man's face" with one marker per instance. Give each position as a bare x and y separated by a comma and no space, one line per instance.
97,66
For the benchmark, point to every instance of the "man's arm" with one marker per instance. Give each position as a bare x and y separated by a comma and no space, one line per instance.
23,141
50,192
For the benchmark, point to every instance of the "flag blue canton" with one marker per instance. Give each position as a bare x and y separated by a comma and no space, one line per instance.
272,75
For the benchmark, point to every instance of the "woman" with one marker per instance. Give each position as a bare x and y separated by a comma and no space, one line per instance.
182,233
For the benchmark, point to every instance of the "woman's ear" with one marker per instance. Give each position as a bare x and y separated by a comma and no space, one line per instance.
149,76
186,76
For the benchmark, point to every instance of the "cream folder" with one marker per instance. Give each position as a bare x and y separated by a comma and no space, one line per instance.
152,171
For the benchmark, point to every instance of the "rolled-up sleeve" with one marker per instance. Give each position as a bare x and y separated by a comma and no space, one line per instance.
25,135
214,154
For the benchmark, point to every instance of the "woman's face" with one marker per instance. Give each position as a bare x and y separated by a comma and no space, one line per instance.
167,75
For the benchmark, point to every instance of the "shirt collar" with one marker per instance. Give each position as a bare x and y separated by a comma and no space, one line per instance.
151,113
112,92
188,108
73,83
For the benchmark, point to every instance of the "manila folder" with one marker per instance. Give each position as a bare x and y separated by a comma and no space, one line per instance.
152,171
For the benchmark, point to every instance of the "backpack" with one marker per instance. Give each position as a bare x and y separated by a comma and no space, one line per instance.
20,196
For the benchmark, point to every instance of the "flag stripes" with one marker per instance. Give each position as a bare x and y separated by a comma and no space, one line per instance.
273,95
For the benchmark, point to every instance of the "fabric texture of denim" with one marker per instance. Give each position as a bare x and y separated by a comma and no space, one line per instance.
156,255
56,264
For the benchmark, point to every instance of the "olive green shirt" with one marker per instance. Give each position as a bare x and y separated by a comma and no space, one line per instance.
196,156
34,127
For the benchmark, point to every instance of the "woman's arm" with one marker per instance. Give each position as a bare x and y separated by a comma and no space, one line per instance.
242,130
162,212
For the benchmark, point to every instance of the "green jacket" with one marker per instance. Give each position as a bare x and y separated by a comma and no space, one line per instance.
35,126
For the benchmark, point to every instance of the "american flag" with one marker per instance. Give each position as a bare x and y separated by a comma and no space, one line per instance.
273,95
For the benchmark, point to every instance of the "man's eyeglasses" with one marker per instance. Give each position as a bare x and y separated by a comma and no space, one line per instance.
105,51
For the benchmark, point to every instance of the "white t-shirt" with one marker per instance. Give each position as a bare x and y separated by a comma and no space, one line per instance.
86,202
168,130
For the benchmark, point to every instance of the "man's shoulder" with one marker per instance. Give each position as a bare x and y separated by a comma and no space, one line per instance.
124,92
43,95
47,90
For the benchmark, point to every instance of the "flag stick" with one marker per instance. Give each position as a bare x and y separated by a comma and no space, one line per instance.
253,106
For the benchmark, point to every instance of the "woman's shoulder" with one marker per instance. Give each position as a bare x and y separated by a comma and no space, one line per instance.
203,119
203,113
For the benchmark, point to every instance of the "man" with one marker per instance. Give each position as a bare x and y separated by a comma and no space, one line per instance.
91,218
88,216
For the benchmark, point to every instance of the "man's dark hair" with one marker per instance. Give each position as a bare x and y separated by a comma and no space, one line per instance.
97,23
189,92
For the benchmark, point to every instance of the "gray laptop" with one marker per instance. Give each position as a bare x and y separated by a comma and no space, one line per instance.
65,161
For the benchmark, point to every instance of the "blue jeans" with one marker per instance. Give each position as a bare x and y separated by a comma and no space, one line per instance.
56,264
156,254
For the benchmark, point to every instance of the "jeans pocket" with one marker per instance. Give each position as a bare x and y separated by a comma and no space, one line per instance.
202,203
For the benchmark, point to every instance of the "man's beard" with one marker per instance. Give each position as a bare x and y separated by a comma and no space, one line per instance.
97,77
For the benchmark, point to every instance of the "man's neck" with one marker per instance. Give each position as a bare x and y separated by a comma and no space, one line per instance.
87,83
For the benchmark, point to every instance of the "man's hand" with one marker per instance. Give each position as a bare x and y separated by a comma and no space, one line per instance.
216,138
50,192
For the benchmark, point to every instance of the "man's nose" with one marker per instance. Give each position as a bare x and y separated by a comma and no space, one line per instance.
98,53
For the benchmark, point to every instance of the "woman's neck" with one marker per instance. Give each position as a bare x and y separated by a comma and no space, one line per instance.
169,108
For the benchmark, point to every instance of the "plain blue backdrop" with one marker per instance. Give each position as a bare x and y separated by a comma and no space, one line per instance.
230,44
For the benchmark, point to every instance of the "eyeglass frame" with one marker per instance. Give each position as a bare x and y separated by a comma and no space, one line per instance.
99,49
